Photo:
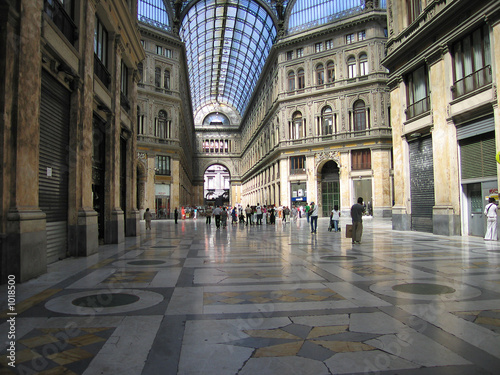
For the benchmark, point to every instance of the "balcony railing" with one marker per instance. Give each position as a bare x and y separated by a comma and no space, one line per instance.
124,102
297,171
418,108
56,12
101,72
472,82
162,172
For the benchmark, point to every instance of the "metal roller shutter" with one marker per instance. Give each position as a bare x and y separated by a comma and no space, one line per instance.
477,156
53,164
421,184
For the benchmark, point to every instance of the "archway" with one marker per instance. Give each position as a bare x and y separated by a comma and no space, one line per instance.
217,186
330,187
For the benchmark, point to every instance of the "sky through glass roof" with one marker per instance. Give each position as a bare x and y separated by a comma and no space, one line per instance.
227,43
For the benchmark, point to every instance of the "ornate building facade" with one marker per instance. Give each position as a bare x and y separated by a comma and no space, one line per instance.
442,57
68,105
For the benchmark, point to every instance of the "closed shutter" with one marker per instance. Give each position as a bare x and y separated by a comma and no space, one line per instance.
421,184
477,156
53,164
471,129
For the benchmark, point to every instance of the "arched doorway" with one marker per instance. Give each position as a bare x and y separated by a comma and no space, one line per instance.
217,186
330,187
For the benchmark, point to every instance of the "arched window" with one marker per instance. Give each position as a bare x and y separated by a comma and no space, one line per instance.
351,67
359,116
296,126
320,74
363,64
166,79
330,72
140,70
291,81
158,77
327,121
301,79
163,127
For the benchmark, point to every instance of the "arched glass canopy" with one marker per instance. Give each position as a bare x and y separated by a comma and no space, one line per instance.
227,43
154,13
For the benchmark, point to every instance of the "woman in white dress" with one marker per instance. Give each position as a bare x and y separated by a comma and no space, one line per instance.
491,214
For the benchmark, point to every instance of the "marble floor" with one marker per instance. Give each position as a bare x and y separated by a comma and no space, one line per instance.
191,299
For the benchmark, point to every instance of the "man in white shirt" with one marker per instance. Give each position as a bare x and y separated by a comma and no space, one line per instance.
313,213
258,211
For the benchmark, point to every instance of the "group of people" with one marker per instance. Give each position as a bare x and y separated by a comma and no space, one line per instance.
255,215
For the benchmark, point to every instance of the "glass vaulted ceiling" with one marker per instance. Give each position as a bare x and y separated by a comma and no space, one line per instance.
227,43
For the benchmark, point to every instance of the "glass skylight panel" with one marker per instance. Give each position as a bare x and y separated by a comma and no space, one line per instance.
153,10
237,49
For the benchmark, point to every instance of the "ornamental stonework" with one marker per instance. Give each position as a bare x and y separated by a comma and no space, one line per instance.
320,157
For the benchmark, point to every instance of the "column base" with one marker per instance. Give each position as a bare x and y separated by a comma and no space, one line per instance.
401,220
115,230
133,224
84,236
382,212
25,245
445,222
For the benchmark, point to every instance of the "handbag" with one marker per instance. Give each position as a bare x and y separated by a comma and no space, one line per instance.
348,231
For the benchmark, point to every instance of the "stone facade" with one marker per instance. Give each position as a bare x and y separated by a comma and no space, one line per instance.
47,46
353,49
454,106
164,129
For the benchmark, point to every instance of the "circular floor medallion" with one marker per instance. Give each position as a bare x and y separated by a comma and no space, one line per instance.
338,257
423,288
146,262
106,300
103,302
163,247
425,239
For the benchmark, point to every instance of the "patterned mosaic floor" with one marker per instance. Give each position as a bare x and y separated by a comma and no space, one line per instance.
188,299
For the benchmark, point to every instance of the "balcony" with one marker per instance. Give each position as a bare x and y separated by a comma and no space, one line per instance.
56,12
297,171
124,102
418,108
472,82
101,72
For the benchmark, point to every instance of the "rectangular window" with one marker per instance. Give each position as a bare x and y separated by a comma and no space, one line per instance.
289,55
361,159
159,50
361,35
328,44
318,47
472,62
162,165
101,42
168,53
124,79
143,42
414,8
417,93
300,52
349,38
298,164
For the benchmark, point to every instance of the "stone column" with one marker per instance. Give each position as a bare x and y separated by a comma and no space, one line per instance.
115,220
446,212
381,165
285,185
345,183
401,215
133,215
26,241
84,226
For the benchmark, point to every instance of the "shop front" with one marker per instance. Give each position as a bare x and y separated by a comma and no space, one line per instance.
162,201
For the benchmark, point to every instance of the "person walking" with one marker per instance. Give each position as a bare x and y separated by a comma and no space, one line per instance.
491,216
357,211
307,211
258,212
335,218
147,218
286,212
313,211
176,215
208,214
217,213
